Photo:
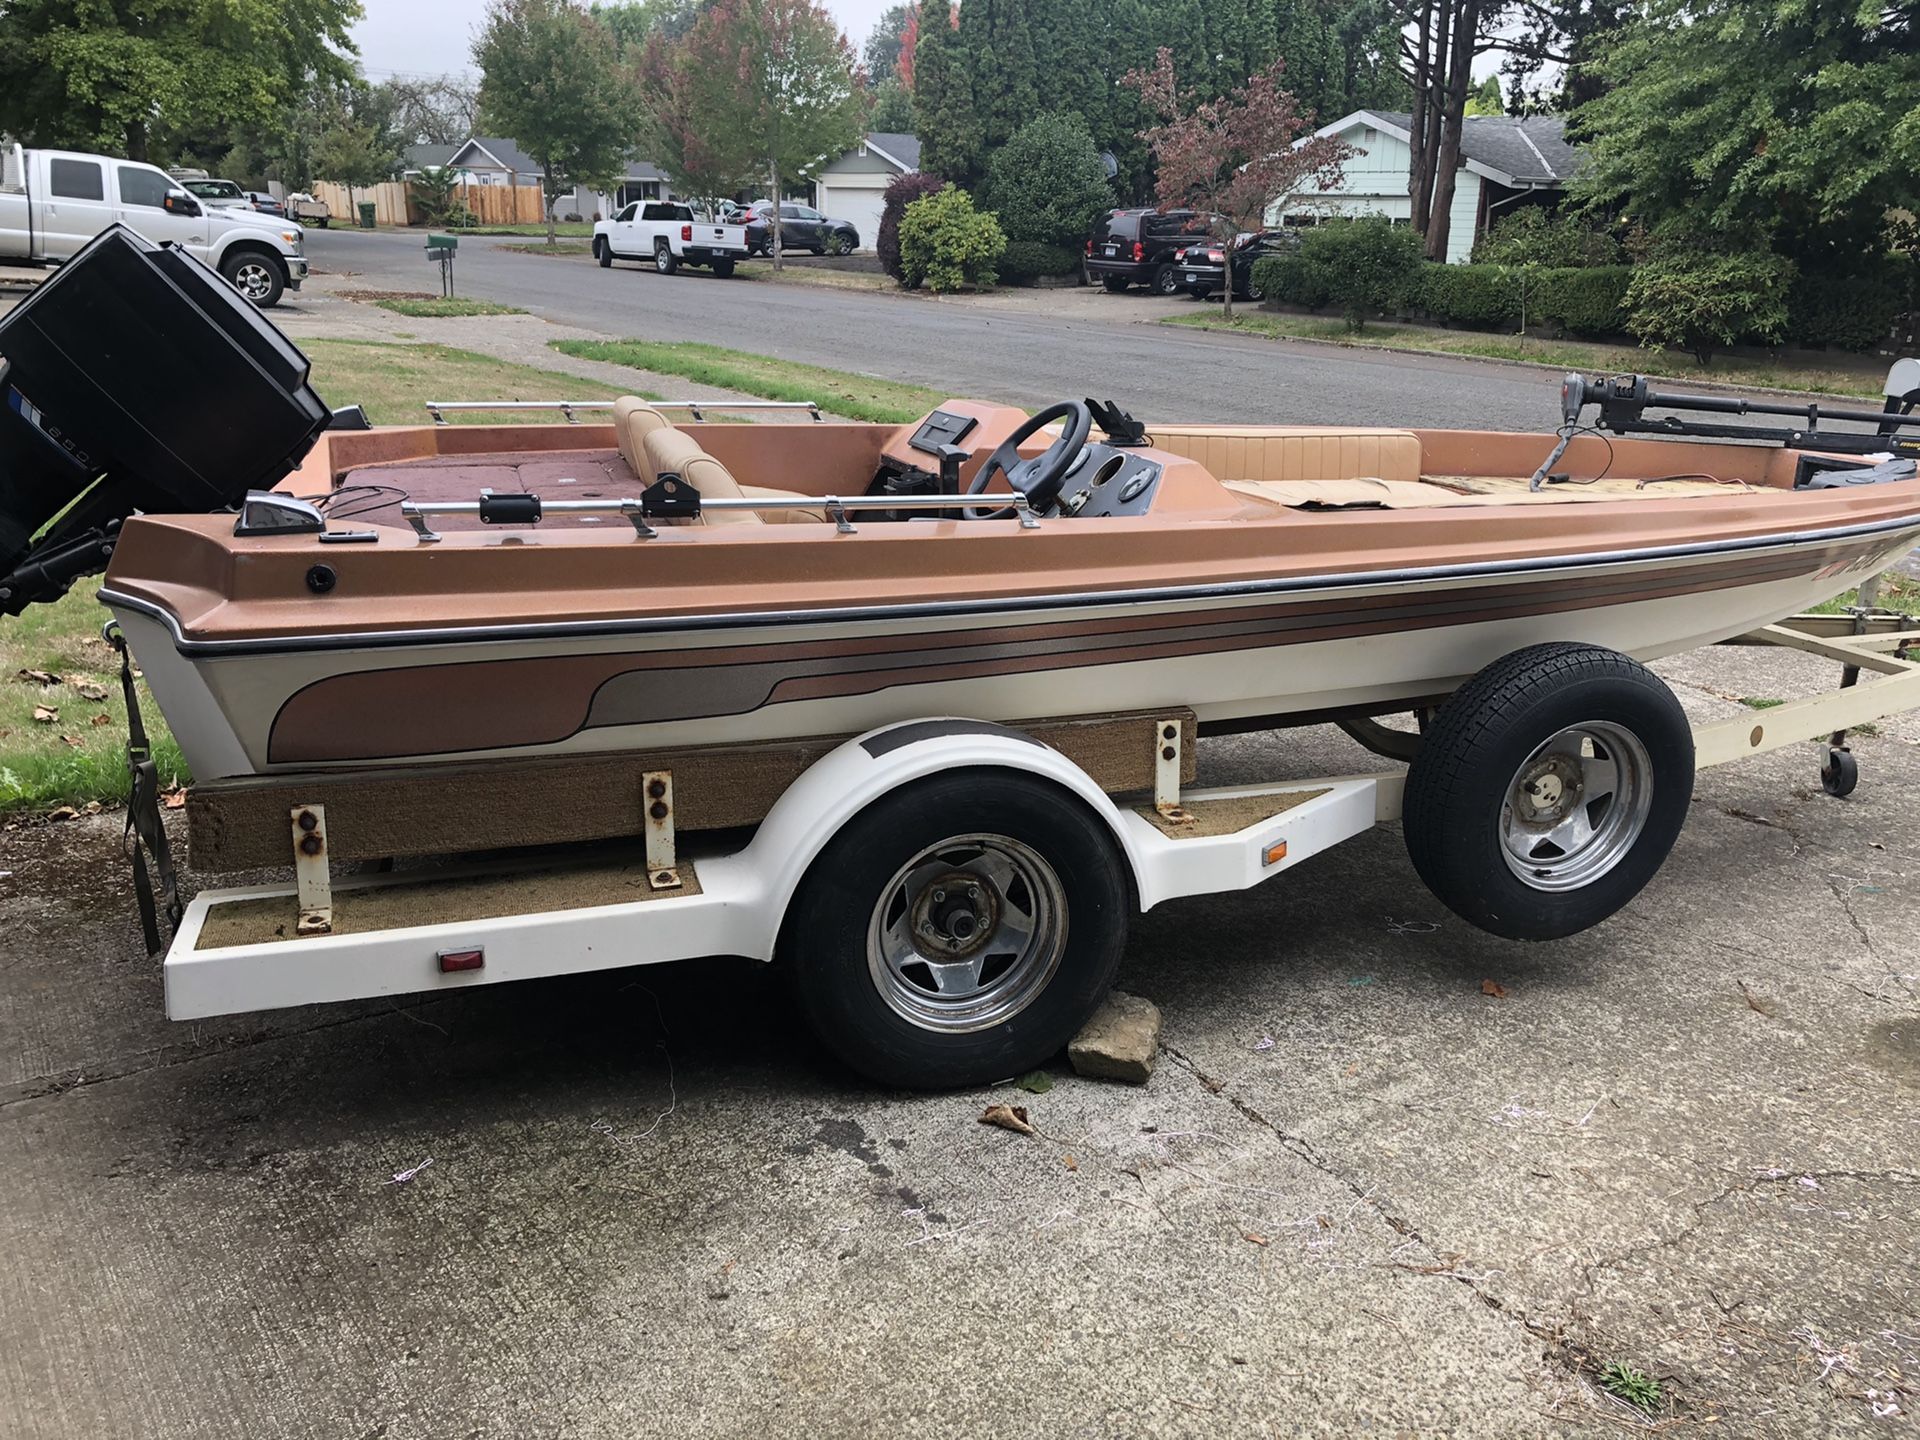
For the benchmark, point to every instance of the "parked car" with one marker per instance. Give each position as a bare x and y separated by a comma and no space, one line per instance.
668,233
804,228
1200,266
264,203
1137,247
52,202
219,194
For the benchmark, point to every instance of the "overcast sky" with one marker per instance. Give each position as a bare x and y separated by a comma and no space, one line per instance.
434,37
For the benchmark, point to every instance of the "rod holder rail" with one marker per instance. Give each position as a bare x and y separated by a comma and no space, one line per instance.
838,507
440,409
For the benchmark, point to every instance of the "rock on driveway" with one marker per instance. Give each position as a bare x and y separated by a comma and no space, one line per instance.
1119,1042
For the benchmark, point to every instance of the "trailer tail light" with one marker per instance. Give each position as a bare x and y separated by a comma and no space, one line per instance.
1139,252
452,962
686,233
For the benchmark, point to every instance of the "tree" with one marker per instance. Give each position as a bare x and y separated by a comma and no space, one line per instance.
1746,124
881,55
1486,98
996,40
901,192
136,76
1236,158
440,111
674,129
1551,55
633,24
550,77
892,111
943,94
769,85
1446,37
354,141
1046,184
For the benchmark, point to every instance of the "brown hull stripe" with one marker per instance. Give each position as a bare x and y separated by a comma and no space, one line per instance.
445,709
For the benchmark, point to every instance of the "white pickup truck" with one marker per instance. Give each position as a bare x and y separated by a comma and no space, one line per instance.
52,202
670,235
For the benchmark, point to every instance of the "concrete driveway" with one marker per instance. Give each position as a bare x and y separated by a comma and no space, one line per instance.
1684,1141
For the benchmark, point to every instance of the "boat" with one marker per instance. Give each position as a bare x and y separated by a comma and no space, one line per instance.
892,701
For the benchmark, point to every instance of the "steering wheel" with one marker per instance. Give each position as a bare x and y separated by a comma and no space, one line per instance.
1039,478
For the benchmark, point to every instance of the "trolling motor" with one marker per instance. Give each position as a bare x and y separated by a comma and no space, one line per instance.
1623,401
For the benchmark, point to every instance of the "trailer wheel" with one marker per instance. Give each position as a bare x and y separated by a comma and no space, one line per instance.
1840,774
958,931
1549,790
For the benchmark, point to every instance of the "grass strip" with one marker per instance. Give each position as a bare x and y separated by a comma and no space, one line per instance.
435,307
838,392
1563,354
394,382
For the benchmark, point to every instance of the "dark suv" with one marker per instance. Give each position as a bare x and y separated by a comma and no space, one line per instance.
1132,247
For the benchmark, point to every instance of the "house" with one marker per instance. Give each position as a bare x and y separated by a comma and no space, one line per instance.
853,186
488,160
1506,160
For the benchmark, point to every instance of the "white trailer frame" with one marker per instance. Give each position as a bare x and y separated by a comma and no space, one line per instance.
710,901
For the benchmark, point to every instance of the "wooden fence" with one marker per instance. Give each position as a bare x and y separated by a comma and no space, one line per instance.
394,203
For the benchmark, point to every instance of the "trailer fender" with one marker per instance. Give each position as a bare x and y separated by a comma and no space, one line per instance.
844,782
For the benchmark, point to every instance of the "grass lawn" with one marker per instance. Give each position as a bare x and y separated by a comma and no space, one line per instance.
573,229
1897,592
1838,379
563,247
79,755
839,392
431,307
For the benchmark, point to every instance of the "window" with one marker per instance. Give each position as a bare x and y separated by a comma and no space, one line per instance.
626,214
78,180
807,214
789,212
143,187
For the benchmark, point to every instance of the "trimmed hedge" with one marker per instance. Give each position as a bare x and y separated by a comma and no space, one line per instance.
1587,301
1703,303
1847,312
1024,261
1286,280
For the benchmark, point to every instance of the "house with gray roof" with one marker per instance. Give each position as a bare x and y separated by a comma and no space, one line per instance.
1505,161
853,185
492,160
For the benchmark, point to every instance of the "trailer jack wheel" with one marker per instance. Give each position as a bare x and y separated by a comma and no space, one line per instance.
1840,774
1548,791
957,931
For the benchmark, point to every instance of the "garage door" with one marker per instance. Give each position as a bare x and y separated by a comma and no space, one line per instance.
859,206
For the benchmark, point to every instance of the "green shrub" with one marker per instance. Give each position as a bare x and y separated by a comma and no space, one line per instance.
1846,311
945,243
1535,236
902,191
1046,185
1363,265
1702,303
1028,260
1588,301
1479,297
1285,280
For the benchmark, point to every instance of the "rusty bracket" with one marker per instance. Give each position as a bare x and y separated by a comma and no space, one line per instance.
311,871
663,867
1166,773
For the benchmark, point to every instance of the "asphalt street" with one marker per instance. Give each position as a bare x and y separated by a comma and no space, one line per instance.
1060,349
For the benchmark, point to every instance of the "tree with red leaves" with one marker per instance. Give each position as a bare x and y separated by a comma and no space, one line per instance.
1234,159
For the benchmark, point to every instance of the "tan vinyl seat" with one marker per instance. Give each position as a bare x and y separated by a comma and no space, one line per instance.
633,421
671,451
1303,452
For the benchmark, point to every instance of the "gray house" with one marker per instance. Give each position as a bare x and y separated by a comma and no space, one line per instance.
1505,160
852,187
490,160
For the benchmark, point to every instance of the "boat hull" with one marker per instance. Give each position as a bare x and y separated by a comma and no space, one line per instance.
1271,649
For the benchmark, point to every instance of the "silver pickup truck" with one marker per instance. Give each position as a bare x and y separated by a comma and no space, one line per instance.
52,202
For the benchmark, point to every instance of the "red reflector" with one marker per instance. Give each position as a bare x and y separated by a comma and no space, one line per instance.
453,961
686,232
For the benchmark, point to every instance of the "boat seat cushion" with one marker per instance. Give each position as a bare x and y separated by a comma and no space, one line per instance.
671,451
1305,452
633,421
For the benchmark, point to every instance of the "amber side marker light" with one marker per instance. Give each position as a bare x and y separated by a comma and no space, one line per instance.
454,961
1274,853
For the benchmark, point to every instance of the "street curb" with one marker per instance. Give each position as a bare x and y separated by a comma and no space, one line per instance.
1731,387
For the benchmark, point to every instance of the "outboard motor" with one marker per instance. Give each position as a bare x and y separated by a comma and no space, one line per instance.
135,379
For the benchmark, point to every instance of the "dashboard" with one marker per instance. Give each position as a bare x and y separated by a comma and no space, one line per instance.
1105,479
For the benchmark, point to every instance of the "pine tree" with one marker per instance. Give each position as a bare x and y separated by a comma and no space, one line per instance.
943,96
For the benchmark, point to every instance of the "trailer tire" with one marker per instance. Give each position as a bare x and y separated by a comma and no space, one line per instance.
1011,886
1549,790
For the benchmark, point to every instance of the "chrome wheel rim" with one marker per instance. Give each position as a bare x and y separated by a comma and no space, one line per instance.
253,279
660,259
1576,806
967,933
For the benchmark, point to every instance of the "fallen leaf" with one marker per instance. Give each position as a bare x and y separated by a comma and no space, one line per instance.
74,740
1037,1082
1493,988
1214,1087
65,812
1353,1067
45,714
89,691
1253,1237
39,677
92,807
101,719
174,800
1325,1223
1071,1163
1008,1117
